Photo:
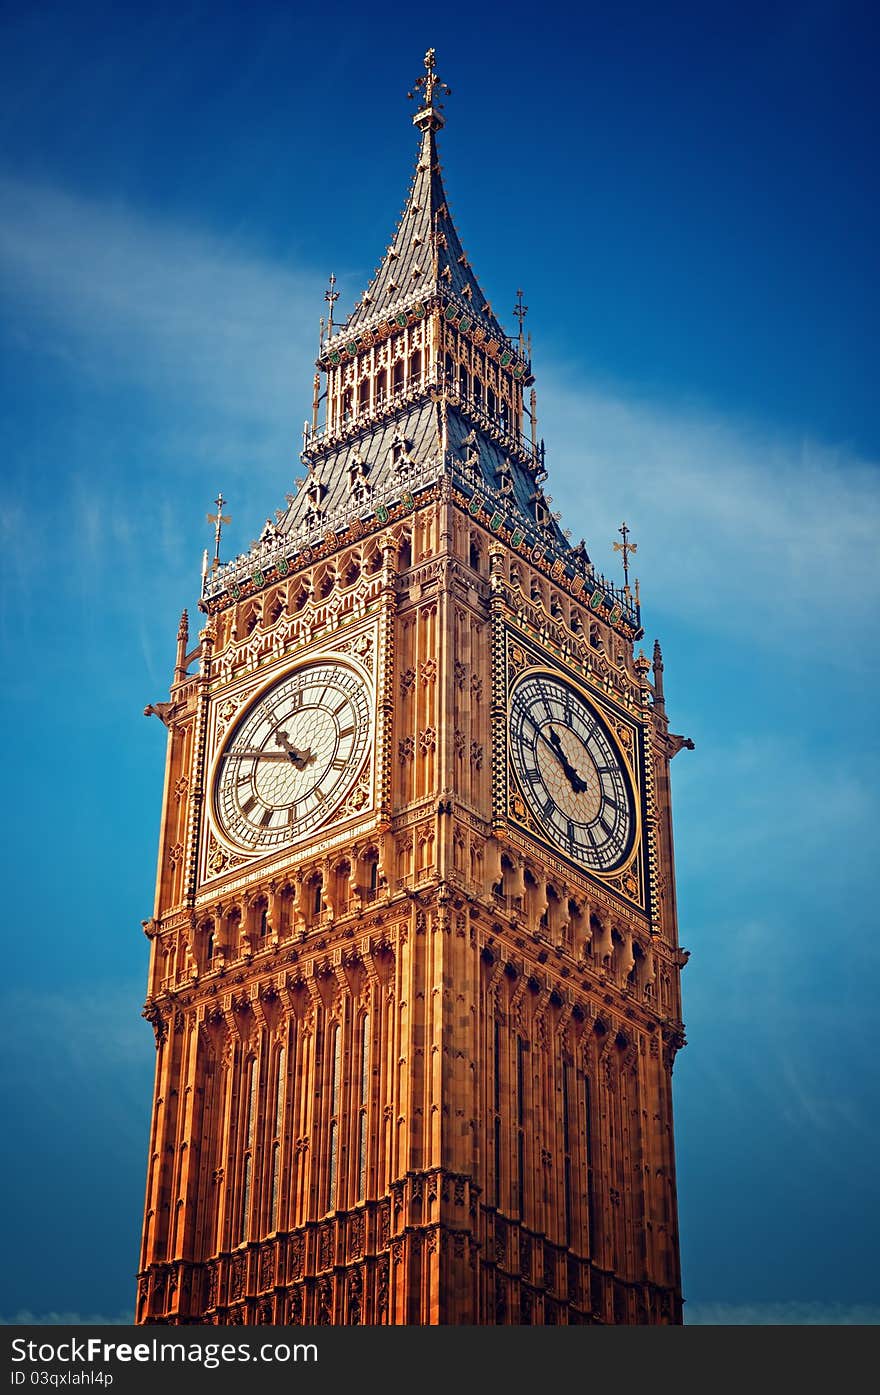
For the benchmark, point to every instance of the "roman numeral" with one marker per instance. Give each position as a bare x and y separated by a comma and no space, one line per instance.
266,818
348,731
338,764
249,804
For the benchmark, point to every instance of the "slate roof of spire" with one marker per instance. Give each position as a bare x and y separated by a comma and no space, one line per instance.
482,463
376,460
408,270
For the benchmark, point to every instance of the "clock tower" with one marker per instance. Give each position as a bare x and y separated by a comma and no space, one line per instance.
414,968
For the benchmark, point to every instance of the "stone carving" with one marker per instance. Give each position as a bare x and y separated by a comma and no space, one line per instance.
238,1277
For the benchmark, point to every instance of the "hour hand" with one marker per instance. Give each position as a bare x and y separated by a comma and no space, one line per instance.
296,757
573,778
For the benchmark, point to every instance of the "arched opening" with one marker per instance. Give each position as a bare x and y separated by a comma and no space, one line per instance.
314,899
352,572
249,1093
335,1075
209,943
368,874
535,902
261,911
340,887
273,608
363,1107
476,861
233,931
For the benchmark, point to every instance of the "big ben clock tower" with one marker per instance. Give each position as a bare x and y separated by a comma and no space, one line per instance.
415,972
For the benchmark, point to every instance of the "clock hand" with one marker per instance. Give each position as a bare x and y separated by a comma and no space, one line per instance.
256,753
578,784
298,758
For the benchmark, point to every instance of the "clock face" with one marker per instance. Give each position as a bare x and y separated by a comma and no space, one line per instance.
571,773
293,757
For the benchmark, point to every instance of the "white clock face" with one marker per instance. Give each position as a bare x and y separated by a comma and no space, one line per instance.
571,773
293,757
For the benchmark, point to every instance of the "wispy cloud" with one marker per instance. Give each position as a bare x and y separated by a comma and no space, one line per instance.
137,296
25,1318
829,805
100,1026
734,520
791,1313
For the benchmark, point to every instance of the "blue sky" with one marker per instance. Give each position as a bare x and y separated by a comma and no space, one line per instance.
687,195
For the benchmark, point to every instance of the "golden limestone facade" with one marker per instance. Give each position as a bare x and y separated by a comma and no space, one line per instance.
414,961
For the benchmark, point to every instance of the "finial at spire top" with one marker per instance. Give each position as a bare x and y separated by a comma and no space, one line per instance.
428,117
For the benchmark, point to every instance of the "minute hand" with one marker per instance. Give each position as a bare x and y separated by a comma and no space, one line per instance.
257,753
578,784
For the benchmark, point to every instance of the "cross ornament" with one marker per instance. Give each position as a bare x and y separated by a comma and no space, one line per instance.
626,547
520,311
218,518
430,81
331,296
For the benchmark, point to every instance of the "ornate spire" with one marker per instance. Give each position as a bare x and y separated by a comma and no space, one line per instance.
182,642
657,665
425,256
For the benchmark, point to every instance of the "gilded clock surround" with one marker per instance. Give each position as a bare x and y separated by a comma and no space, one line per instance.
524,657
240,776
414,1067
